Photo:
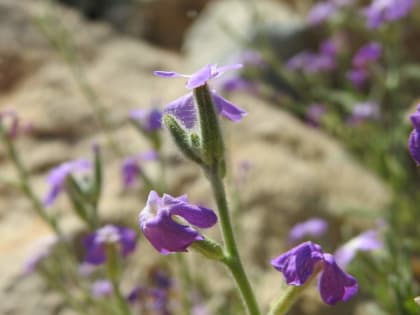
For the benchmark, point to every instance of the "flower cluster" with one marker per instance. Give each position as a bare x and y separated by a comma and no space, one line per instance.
323,61
365,56
302,261
165,232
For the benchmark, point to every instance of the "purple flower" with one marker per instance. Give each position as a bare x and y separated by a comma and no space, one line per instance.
357,77
314,114
314,227
164,232
148,120
12,124
95,243
364,111
58,175
200,77
131,167
366,241
135,294
414,139
43,249
381,11
368,53
300,263
101,288
320,12
184,109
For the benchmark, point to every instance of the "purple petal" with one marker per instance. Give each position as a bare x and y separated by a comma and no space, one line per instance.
219,71
368,53
200,77
320,12
366,241
166,235
95,253
195,215
184,110
101,288
414,146
149,120
130,171
298,264
128,240
227,109
334,284
58,175
168,74
314,227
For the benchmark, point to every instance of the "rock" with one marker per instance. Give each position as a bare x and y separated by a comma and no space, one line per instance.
224,27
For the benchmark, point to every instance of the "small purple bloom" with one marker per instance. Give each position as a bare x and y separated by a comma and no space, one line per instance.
135,294
321,12
357,77
314,114
12,124
101,288
184,108
367,241
200,77
367,54
164,232
314,227
149,120
414,139
96,242
299,263
58,175
381,11
131,167
364,111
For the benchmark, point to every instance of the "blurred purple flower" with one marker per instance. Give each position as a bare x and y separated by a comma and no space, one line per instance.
184,109
239,84
323,61
101,288
314,114
43,248
148,120
382,11
367,241
320,12
414,139
357,77
135,294
95,243
367,54
364,111
314,227
131,167
166,234
12,124
58,175
299,264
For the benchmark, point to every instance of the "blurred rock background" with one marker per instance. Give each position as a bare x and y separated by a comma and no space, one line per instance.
297,171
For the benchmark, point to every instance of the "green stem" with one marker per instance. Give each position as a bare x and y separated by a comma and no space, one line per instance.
289,297
232,258
186,283
24,182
